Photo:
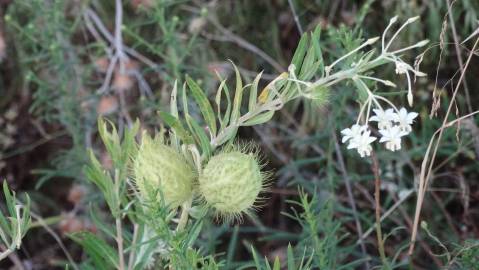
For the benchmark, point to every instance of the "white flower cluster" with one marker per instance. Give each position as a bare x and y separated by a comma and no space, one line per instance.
392,125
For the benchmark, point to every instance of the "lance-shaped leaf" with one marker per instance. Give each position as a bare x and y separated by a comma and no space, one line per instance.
254,92
300,51
102,254
225,119
315,43
291,263
173,100
308,63
178,128
203,103
235,114
200,135
259,119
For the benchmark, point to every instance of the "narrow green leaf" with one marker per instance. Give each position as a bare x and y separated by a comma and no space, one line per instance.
256,259
111,140
203,103
105,228
276,264
5,229
308,62
228,135
367,56
259,119
253,94
9,199
103,255
178,128
300,51
95,174
26,216
266,262
361,89
102,180
291,263
184,100
201,135
173,100
232,246
227,115
128,147
187,116
312,71
4,224
194,232
315,43
146,249
219,94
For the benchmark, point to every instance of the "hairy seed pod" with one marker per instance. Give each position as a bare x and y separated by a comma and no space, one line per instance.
319,96
162,174
231,183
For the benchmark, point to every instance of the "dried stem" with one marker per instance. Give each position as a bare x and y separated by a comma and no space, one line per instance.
119,228
119,241
131,258
427,163
458,52
377,199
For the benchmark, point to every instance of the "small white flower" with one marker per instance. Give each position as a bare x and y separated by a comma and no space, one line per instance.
384,118
401,67
392,137
362,143
353,132
405,119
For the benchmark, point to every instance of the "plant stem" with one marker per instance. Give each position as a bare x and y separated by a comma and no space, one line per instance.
5,253
119,228
131,258
377,190
119,241
351,200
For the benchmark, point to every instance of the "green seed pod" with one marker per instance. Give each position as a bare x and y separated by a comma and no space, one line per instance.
320,96
162,174
231,183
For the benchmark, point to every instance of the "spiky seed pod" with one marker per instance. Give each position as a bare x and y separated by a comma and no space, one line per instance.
231,183
162,174
320,96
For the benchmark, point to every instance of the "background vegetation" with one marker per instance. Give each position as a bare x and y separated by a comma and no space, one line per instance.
59,73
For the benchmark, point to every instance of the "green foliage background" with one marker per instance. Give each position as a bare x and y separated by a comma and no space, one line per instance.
52,76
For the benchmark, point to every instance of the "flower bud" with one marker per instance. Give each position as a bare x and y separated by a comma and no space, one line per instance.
163,174
231,183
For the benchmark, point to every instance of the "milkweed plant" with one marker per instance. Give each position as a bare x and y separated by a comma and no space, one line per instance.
165,184
196,166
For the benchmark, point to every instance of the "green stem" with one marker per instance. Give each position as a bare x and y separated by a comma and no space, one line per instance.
119,227
377,193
